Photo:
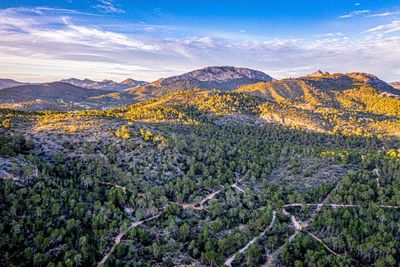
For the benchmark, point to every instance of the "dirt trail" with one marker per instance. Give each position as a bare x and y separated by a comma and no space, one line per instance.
322,242
298,225
115,185
119,237
237,187
272,257
229,261
200,205
320,205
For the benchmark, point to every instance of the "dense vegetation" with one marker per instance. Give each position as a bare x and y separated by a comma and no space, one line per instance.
192,178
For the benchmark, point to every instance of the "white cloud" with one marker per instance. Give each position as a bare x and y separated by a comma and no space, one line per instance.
354,13
99,38
53,46
385,14
330,34
108,6
394,26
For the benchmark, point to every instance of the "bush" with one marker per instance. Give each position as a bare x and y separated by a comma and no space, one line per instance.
124,133
7,123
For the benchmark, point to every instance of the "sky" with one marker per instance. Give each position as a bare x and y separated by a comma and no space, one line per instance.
148,39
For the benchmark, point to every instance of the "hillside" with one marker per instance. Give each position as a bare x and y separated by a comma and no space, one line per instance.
316,89
199,177
5,83
363,111
57,95
106,85
189,106
354,103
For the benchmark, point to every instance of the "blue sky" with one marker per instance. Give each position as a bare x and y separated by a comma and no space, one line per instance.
116,39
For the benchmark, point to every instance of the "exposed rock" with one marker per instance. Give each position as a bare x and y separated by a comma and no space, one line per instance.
221,75
18,170
317,73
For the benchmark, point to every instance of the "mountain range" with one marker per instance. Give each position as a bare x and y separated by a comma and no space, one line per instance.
319,89
223,78
106,85
6,83
46,96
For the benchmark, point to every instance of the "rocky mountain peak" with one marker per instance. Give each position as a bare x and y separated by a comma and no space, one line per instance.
317,73
219,74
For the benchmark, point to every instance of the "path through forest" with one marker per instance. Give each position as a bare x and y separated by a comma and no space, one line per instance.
119,237
229,261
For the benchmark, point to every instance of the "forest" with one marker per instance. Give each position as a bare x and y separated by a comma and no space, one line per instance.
165,183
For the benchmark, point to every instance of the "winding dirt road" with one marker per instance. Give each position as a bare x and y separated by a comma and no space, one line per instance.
119,237
320,205
229,261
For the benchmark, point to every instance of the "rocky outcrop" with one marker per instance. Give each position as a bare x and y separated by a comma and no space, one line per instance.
18,170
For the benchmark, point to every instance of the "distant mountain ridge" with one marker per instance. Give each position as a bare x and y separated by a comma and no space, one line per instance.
319,89
5,83
56,95
395,85
106,85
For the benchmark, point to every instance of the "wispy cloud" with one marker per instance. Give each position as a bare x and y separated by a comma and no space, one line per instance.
385,14
108,6
43,10
51,44
394,26
355,13
330,34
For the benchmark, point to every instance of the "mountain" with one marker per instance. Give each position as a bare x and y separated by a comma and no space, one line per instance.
318,88
395,85
56,95
227,78
5,83
317,73
352,104
223,78
106,85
